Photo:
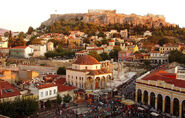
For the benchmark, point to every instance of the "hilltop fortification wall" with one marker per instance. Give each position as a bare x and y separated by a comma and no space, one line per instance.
111,17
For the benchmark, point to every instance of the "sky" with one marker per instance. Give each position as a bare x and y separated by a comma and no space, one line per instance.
18,15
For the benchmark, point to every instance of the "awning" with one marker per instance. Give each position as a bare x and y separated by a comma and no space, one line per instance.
140,108
128,102
154,114
117,96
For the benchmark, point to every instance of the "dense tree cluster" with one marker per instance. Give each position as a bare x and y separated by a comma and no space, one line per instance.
60,52
19,108
61,71
16,41
67,98
104,56
177,56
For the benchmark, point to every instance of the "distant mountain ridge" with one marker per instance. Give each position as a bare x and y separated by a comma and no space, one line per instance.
111,17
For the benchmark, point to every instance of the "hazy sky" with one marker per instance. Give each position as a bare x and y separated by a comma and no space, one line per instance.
18,15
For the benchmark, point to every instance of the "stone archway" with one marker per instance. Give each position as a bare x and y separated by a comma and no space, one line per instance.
145,97
89,84
159,102
175,107
183,109
97,83
139,95
152,99
103,83
167,104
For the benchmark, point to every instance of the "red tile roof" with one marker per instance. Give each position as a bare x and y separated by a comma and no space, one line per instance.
62,88
86,60
7,90
111,41
96,49
47,85
61,81
20,47
99,72
165,76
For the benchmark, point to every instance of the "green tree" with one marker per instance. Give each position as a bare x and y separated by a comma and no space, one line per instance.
59,99
105,56
163,41
114,53
6,34
175,56
67,98
95,55
61,71
48,104
19,108
30,30
50,54
36,41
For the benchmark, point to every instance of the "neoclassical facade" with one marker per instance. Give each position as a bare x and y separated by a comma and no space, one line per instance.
87,73
163,91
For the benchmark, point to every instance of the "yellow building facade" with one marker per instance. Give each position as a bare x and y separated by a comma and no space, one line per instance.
162,91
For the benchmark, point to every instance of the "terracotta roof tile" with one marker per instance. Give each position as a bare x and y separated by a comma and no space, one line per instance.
20,47
86,60
62,88
7,90
167,77
47,85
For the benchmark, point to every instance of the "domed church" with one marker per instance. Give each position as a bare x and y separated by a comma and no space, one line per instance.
87,73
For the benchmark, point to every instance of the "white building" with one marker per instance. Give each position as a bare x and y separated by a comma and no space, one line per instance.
158,58
147,33
3,44
46,91
50,46
87,73
124,33
39,50
21,52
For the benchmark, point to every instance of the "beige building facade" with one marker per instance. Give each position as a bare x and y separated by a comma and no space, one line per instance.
87,73
162,91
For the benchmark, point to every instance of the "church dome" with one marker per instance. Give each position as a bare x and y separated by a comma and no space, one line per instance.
86,60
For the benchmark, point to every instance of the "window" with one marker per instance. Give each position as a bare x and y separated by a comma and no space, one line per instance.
46,93
96,67
68,76
41,94
76,77
54,92
72,77
86,67
50,92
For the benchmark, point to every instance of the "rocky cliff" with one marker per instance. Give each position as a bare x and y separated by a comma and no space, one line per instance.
111,17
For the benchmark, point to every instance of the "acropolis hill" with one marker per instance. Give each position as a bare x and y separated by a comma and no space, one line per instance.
111,17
